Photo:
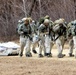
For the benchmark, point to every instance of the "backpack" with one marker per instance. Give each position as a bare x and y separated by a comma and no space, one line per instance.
73,29
55,28
19,23
59,29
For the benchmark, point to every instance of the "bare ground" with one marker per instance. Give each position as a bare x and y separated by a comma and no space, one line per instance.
38,66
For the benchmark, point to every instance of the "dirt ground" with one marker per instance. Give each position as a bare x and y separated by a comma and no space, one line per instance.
15,65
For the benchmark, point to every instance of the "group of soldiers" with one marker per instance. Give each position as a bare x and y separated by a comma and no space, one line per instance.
44,34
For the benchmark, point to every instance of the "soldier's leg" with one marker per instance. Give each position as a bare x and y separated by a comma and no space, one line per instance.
74,39
28,48
43,48
47,46
63,41
60,48
34,44
51,45
71,45
34,48
22,45
40,48
21,50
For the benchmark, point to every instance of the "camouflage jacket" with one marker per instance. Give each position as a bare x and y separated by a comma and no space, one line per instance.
72,30
34,28
44,30
24,30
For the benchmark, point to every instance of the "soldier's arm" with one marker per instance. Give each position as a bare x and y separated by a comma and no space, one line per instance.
20,30
42,30
35,29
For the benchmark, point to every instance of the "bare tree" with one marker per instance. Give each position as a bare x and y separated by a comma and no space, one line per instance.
13,10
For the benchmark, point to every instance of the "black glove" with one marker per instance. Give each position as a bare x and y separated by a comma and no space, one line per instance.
25,33
30,38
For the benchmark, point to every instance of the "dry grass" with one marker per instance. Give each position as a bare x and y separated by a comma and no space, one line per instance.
38,66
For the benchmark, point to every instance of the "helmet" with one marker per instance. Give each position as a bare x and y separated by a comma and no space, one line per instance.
46,21
46,17
74,22
30,19
24,19
61,20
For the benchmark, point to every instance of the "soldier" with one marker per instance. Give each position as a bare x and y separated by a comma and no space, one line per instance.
24,31
34,35
51,43
44,42
59,29
70,38
74,35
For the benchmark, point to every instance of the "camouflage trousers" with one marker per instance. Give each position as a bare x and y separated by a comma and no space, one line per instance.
59,43
41,44
74,39
25,43
35,42
47,44
71,45
44,44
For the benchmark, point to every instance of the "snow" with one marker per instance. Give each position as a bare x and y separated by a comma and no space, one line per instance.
8,48
9,45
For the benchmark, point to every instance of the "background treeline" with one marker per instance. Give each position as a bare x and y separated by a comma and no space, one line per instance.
13,10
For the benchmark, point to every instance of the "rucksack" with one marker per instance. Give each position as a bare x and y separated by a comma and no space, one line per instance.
73,28
56,28
59,29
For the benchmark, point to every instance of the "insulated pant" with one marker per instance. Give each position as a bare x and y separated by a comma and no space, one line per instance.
71,45
25,42
60,44
47,44
42,45
74,39
35,42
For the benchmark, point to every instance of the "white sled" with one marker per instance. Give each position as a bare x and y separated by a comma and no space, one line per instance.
9,48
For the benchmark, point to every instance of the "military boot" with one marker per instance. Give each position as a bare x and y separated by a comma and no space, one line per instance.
40,55
48,54
71,55
29,55
61,55
21,54
34,51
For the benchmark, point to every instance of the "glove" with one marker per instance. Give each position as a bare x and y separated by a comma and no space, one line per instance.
25,33
30,38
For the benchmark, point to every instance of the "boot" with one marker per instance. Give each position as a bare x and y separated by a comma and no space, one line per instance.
34,51
48,54
71,55
29,55
45,54
61,55
21,54
40,55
